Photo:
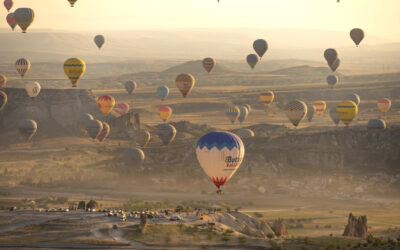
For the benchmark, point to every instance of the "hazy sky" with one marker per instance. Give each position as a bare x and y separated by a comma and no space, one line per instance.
376,17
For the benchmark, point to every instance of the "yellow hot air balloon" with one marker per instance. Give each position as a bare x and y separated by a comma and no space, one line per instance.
384,105
165,112
267,97
296,111
106,104
185,83
346,111
74,68
320,107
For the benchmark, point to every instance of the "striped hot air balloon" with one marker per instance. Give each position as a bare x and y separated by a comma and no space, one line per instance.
22,65
346,111
165,112
185,83
320,107
24,18
384,105
233,113
220,155
296,111
267,97
106,104
208,64
74,68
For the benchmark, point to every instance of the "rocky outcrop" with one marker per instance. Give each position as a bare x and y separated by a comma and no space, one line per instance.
279,228
356,227
93,205
82,205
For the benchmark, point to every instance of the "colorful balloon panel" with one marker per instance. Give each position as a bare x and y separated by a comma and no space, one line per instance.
320,107
346,111
165,112
106,104
267,97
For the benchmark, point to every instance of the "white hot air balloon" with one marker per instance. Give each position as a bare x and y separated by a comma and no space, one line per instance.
32,89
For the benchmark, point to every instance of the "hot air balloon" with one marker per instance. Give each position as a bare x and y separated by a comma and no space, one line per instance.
310,112
244,112
355,98
357,35
384,105
376,124
11,20
267,97
248,106
105,131
99,40
8,4
334,116
22,65
133,157
185,83
165,112
163,92
320,107
83,121
335,65
233,113
130,86
142,137
3,99
32,89
24,18
220,155
296,111
346,111
167,133
3,81
208,64
106,104
74,68
94,127
245,133
72,2
332,80
27,128
252,60
122,108
260,47
330,56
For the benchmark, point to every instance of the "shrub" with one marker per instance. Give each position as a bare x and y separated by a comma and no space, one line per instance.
226,238
270,235
229,231
242,239
168,239
258,215
210,235
328,226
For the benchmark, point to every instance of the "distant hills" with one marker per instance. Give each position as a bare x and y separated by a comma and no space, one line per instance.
196,67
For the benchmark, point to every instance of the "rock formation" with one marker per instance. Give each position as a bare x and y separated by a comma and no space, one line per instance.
356,227
82,205
92,205
279,228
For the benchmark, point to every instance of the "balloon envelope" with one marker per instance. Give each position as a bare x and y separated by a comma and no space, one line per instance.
334,116
346,111
133,157
83,121
142,137
11,20
355,98
220,155
165,112
330,56
310,112
94,128
27,128
248,106
8,4
267,97
24,18
384,105
22,65
376,124
208,64
185,83
167,133
3,81
260,47
335,65
106,104
163,92
357,35
122,108
32,89
233,113
252,60
74,68
99,41
320,107
296,111
72,2
105,131
245,133
130,86
3,99
332,80
243,113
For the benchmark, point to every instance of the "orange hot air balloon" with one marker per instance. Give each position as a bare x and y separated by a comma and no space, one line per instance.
320,107
185,83
165,112
267,97
106,104
384,105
